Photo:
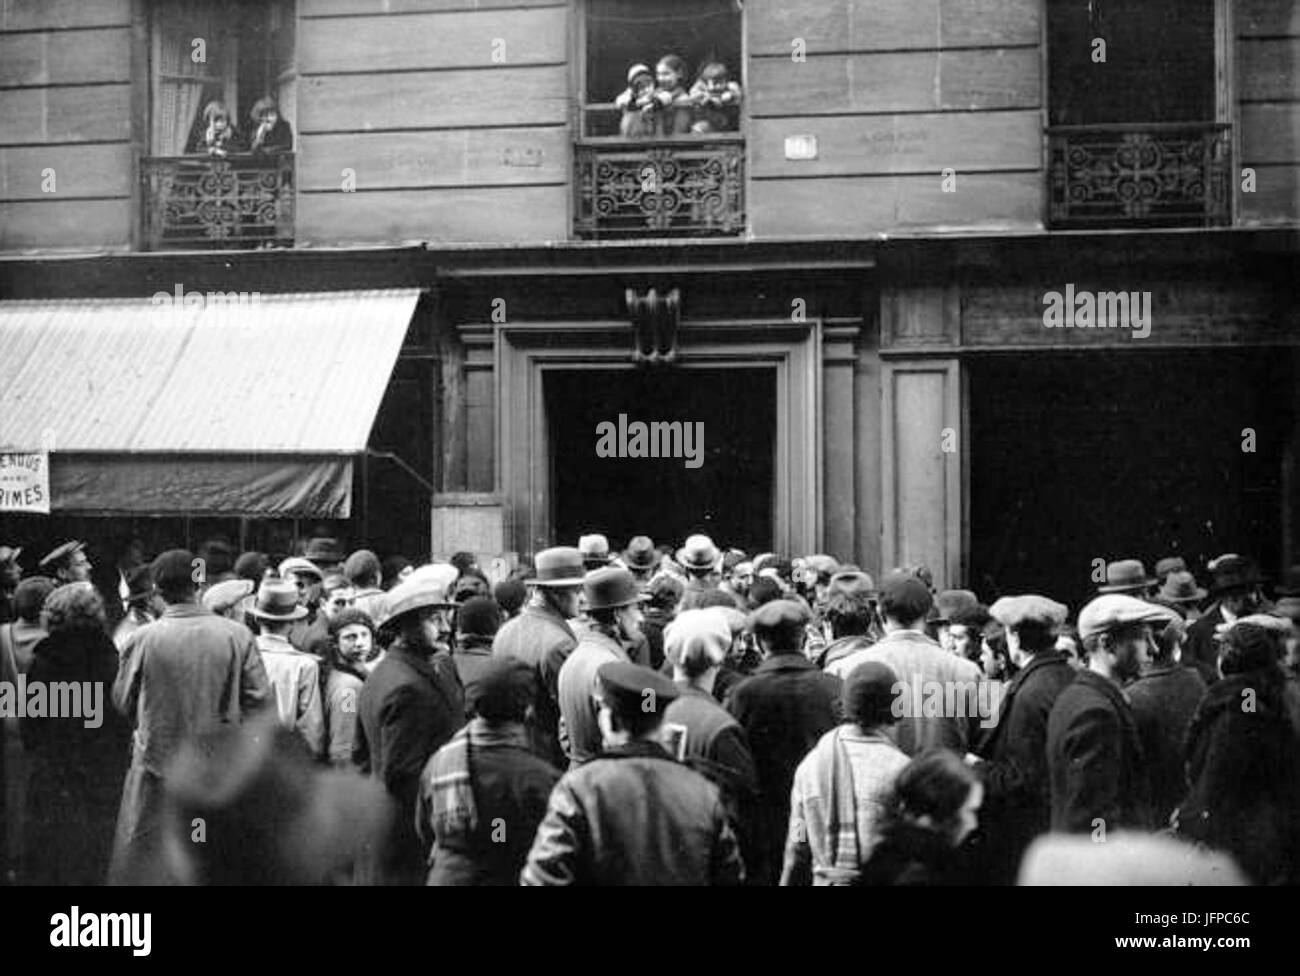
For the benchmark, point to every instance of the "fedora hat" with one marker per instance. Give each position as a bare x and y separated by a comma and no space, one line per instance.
641,553
1233,572
558,566
611,587
277,599
1289,586
595,550
1126,576
324,550
1180,587
428,586
1170,564
699,552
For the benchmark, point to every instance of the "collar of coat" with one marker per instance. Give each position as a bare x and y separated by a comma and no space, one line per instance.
1106,686
786,661
546,612
637,749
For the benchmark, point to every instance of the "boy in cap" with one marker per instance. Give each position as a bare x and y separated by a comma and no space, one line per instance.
785,707
1094,754
633,815
1017,795
187,674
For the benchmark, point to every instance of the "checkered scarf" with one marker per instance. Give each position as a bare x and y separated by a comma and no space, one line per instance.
453,811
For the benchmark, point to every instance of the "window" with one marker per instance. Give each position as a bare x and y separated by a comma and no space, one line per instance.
1135,132
661,151
218,174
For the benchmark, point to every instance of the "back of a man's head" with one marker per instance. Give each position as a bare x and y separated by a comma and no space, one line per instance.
173,576
904,599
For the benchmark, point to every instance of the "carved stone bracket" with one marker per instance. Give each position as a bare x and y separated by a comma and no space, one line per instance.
655,318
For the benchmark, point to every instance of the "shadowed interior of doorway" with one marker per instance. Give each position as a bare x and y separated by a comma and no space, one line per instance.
729,496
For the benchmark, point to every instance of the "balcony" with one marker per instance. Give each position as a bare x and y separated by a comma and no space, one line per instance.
230,202
681,186
1147,175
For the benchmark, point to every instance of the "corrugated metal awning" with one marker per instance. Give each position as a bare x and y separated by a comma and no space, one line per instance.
181,386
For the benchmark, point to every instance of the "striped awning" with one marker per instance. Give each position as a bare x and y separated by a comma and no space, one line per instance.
200,403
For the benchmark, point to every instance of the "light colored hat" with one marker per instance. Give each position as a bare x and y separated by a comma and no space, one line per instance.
699,552
594,549
220,597
297,564
1115,610
427,586
277,599
637,70
692,631
1126,576
1012,611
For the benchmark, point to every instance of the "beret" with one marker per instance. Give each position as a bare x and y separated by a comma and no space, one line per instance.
1012,611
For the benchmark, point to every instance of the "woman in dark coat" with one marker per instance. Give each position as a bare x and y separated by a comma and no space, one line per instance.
934,806
77,761
1243,763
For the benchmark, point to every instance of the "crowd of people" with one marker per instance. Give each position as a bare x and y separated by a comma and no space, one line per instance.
650,716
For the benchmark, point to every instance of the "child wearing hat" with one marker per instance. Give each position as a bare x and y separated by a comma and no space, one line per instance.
636,102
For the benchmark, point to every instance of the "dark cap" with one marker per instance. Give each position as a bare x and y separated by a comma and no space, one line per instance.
349,616
629,688
779,613
904,596
251,566
478,617
502,690
174,570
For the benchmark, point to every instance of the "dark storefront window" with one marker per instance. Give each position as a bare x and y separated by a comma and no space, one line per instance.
1135,140
662,149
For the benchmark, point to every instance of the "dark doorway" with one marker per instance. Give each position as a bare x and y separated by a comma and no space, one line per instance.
1107,455
729,496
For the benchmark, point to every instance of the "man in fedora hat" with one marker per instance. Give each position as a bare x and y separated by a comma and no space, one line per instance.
641,558
11,575
409,707
1017,793
294,674
1127,576
542,638
325,553
613,601
1169,564
1178,591
188,673
1236,593
595,551
633,815
312,627
702,562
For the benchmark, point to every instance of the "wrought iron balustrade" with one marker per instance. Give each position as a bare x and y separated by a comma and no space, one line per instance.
683,186
204,202
1151,175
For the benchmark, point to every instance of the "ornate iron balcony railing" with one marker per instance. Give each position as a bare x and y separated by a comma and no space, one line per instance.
684,186
1159,174
203,202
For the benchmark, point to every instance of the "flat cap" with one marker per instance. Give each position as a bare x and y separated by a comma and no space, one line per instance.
693,632
56,556
629,687
220,597
1012,611
950,602
779,613
297,564
1115,610
851,584
906,595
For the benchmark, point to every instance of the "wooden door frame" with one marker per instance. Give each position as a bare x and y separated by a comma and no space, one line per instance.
526,352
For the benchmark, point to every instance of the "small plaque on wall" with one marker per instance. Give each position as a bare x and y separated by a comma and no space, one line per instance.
801,147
